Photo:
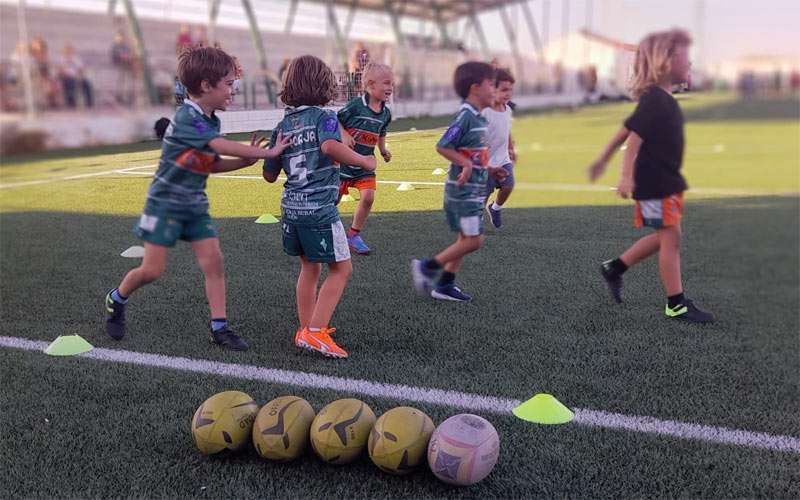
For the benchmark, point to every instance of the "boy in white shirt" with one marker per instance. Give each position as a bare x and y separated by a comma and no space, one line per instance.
501,147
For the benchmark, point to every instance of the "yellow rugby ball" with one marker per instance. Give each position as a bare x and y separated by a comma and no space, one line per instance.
280,431
398,442
224,421
340,430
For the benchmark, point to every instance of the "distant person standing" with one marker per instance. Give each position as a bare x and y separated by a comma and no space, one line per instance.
72,73
184,40
123,60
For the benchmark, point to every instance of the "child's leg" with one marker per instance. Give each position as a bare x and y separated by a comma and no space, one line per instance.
152,267
209,258
455,252
330,293
307,290
642,249
669,259
503,194
363,210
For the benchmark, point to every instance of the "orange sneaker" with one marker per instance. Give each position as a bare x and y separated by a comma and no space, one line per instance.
320,341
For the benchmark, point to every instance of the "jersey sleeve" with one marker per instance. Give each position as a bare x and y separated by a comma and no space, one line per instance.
644,116
328,127
452,137
193,130
345,114
385,126
273,165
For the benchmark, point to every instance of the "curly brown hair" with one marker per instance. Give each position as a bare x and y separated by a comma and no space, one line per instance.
196,64
308,82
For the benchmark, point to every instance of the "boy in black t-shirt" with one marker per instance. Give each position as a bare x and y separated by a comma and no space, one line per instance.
651,169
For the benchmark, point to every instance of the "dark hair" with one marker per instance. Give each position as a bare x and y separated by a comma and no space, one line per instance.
308,82
161,126
203,63
469,74
503,75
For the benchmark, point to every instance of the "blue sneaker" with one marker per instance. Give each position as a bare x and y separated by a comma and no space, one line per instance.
226,338
357,245
450,292
495,216
115,318
424,278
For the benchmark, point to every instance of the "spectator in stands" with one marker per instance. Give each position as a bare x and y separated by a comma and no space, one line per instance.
358,62
184,40
72,74
46,86
200,37
124,62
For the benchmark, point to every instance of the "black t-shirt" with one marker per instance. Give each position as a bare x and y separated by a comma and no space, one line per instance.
659,122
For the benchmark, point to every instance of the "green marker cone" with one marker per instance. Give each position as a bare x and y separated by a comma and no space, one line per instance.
266,219
68,345
544,409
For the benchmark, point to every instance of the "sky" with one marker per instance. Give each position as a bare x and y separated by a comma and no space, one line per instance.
726,30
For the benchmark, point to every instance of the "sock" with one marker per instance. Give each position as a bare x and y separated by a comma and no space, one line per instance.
116,297
447,278
617,266
495,206
431,265
314,330
675,300
352,232
218,323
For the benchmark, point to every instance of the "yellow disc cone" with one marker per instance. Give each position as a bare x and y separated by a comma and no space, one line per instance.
345,198
68,345
438,171
266,219
405,186
544,409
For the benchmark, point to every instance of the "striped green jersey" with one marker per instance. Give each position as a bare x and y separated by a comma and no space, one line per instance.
312,184
467,135
367,127
179,185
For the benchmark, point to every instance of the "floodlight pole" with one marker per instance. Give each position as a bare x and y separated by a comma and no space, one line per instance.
290,17
141,51
394,17
213,12
351,14
512,39
341,41
259,46
537,42
27,83
476,26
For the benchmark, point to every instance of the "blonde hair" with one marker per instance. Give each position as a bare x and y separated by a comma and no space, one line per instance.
372,69
652,63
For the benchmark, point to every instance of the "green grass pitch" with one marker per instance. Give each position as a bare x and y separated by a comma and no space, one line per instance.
542,320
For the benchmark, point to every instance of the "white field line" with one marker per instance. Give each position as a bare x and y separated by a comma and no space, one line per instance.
525,186
73,177
396,392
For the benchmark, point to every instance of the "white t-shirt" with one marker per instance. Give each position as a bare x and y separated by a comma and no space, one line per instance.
499,130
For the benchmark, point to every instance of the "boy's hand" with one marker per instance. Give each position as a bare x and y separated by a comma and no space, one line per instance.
281,143
257,142
498,173
370,163
595,170
463,177
387,156
625,187
347,139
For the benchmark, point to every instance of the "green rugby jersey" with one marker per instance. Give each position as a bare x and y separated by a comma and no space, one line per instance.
179,185
367,127
312,184
467,135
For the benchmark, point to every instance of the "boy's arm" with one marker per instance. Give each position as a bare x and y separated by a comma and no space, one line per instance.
597,168
347,139
457,158
230,164
227,147
387,156
340,153
512,155
626,185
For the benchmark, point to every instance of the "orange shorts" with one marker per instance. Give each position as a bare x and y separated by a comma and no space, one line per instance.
360,184
660,212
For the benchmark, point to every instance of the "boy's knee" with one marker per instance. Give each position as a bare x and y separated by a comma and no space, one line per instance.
212,264
343,270
368,197
150,273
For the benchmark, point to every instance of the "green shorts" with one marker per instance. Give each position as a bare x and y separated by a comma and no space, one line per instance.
465,218
167,228
325,243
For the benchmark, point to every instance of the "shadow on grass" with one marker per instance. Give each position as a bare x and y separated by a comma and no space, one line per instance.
742,109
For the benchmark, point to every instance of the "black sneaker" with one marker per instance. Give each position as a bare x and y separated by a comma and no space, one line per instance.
613,280
226,338
687,311
115,318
